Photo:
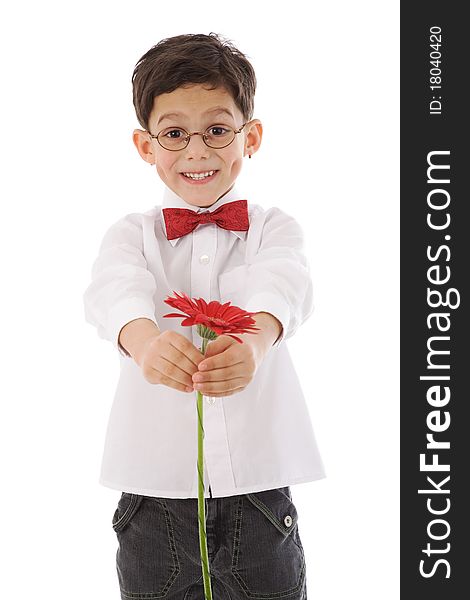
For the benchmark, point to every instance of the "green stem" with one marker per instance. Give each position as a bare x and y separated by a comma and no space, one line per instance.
201,501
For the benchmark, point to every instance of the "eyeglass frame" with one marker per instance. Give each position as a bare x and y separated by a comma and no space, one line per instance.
189,135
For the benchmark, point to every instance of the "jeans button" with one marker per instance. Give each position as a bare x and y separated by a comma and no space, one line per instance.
288,521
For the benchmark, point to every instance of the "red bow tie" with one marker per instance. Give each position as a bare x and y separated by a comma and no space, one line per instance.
180,221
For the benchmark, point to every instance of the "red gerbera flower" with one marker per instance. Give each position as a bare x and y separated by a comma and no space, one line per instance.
212,319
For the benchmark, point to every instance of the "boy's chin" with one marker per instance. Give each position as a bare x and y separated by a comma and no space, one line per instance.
198,196
196,202
200,203
201,199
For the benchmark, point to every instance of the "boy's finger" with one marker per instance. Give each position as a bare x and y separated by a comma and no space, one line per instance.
174,372
180,360
187,348
223,374
169,373
220,387
219,345
175,384
180,351
219,361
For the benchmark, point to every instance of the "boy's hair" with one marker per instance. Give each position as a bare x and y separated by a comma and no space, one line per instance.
188,59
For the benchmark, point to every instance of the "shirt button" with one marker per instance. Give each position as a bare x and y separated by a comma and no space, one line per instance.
288,521
204,259
210,400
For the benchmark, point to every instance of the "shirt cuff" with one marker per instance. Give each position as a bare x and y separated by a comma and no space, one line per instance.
125,311
273,304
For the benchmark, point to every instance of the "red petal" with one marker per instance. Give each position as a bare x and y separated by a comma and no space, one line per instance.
235,338
200,318
188,321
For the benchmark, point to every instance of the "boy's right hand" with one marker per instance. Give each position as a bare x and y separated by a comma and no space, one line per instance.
170,359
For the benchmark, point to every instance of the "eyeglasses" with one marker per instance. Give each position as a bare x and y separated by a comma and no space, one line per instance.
215,136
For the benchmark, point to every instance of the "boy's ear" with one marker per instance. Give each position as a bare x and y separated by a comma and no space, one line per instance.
143,143
254,134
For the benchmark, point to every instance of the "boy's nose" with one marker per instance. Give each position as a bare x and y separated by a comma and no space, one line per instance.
196,146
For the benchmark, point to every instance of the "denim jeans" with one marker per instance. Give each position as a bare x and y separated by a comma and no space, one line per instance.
253,545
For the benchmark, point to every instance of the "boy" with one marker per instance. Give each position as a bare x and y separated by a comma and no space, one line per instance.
194,96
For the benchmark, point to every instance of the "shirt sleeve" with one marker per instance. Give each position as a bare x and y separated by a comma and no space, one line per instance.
122,288
278,279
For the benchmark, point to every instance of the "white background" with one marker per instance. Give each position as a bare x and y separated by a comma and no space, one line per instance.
69,170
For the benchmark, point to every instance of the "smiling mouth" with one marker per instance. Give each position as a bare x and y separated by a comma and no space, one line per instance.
199,175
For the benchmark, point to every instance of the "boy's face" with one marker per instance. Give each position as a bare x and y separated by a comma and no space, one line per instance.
196,106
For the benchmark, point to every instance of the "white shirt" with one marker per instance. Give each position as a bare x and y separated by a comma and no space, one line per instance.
257,439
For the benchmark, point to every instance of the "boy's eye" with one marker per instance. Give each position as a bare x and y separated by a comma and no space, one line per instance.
216,130
173,134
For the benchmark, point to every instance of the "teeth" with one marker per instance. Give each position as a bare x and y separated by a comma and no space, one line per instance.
199,175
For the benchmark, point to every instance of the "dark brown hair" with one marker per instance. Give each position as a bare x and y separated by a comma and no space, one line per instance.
192,58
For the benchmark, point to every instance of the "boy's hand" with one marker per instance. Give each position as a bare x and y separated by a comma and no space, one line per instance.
230,366
169,358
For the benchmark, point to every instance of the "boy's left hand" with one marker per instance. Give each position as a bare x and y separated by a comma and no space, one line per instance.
230,366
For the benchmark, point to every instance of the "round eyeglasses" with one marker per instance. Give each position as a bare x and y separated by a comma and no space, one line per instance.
215,136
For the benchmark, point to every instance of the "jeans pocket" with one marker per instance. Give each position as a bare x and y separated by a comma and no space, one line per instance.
278,508
127,506
147,559
267,558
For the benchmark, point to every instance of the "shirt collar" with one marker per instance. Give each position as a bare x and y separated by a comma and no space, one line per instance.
172,200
